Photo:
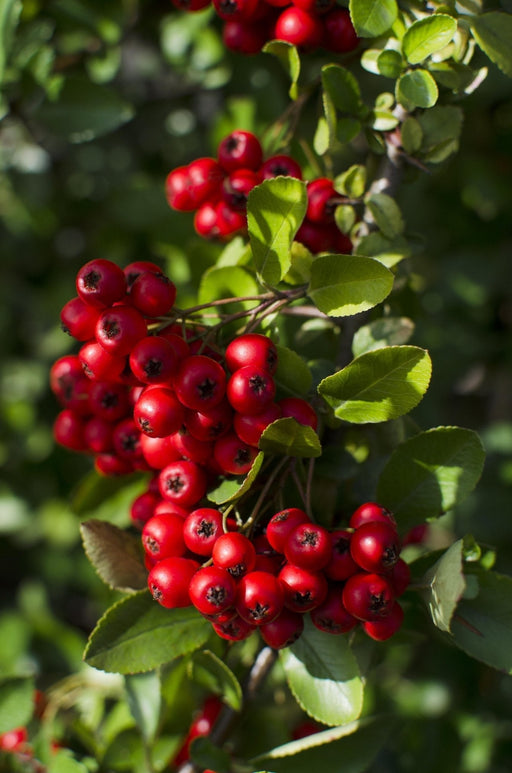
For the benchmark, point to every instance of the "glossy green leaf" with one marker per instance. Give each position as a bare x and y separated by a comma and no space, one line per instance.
290,59
10,11
379,385
233,488
386,214
323,675
417,88
426,36
115,554
292,375
342,285
228,282
286,437
445,585
383,120
345,217
342,88
137,634
324,134
354,745
412,135
389,63
211,672
352,182
145,702
84,110
493,33
430,473
372,18
482,626
275,210
16,702
389,331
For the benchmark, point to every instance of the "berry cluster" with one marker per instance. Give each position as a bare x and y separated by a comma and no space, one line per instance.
308,24
161,401
341,578
216,189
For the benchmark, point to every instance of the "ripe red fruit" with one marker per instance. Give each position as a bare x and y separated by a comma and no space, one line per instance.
211,424
251,349
153,360
300,28
162,536
126,440
233,456
240,150
235,629
192,449
308,546
201,529
339,33
205,180
14,740
68,430
153,294
118,329
283,631
400,577
303,590
235,9
300,410
177,190
98,364
375,547
63,373
316,237
212,590
143,508
78,319
169,581
380,630
158,413
320,193
230,221
260,598
282,524
101,283
368,596
133,270
200,383
235,553
331,616
183,483
108,400
250,389
370,512
111,464
98,435
281,165
342,565
244,36
206,220
237,186
158,451
250,428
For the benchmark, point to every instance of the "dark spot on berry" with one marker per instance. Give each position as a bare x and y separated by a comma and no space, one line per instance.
153,368
232,142
310,538
110,328
237,571
390,556
205,529
151,544
259,612
109,400
378,603
175,483
156,592
207,388
242,457
216,595
129,442
257,384
342,546
302,599
145,426
65,329
91,280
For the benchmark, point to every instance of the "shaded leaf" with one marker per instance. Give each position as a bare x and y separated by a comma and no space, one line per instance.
210,671
286,437
16,702
228,282
417,88
389,63
290,59
292,374
137,634
426,36
493,33
233,488
372,18
386,214
389,331
352,182
446,585
10,11
115,554
342,88
144,700
430,473
342,285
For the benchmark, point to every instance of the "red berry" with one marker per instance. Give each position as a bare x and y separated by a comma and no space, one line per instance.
260,598
244,37
211,424
233,456
235,9
111,464
162,536
192,449
368,596
375,547
250,389
118,329
300,28
138,267
251,349
153,360
205,179
235,553
240,150
206,220
281,165
153,294
370,512
400,577
230,221
316,237
250,428
201,529
300,410
158,451
282,524
157,412
380,630
69,429
339,33
308,546
237,186
283,631
109,400
212,590
320,209
143,508
98,364
126,440
331,616
183,483
63,373
235,629
14,740
79,318
200,383
342,565
169,580
177,190
101,283
303,590
98,435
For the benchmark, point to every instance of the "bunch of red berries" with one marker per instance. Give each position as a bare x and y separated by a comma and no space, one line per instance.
341,578
144,393
308,24
216,189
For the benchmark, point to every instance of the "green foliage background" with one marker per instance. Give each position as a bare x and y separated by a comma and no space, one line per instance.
151,89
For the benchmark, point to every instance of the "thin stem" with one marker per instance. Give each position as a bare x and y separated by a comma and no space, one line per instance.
270,480
299,486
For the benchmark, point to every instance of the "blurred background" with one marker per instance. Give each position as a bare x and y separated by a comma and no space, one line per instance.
143,90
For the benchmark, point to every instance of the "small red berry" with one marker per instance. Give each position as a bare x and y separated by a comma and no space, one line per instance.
153,294
169,581
303,590
260,598
300,410
240,150
101,283
281,165
308,546
331,616
183,483
118,329
212,590
368,596
380,630
250,389
375,547
235,553
200,383
283,631
162,536
251,349
201,529
282,524
233,456
370,512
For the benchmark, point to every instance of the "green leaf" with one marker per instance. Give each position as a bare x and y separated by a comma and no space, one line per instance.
286,437
352,182
441,127
62,762
292,374
10,11
372,18
290,59
493,33
345,217
323,675
234,282
417,88
446,585
145,702
430,473
342,285
230,489
342,88
94,489
204,753
211,672
137,634
347,129
389,331
275,210
426,36
16,702
482,626
84,110
389,63
379,385
324,134
353,745
386,214
411,134
383,120
115,554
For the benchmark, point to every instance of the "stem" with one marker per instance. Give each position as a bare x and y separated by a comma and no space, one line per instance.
270,480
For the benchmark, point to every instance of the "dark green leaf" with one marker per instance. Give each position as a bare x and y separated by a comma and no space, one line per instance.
342,285
62,762
10,11
115,554
210,671
426,36
445,586
144,700
342,88
441,127
275,210
389,331
372,18
289,57
16,702
386,214
322,673
482,626
411,134
286,437
417,88
379,385
430,473
389,63
230,489
137,634
347,129
84,110
292,374
94,489
493,33
228,282
204,753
